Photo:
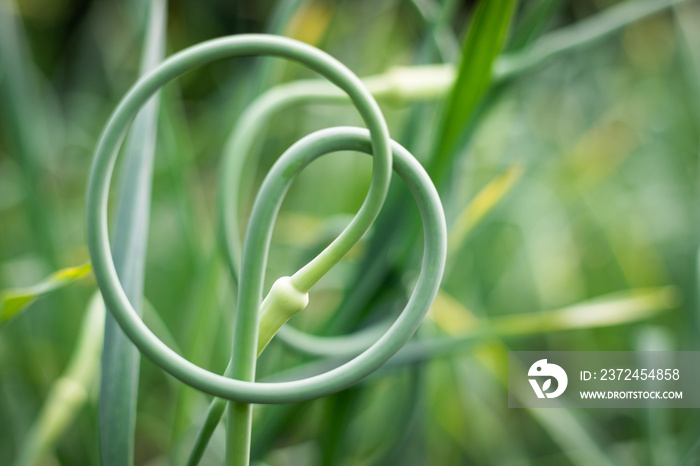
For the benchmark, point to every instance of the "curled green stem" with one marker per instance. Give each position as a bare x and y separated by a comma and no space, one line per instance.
332,140
240,388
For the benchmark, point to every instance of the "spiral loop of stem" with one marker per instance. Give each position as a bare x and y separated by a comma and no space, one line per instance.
289,294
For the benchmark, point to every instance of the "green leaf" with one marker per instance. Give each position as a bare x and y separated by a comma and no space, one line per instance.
120,359
14,301
483,43
546,385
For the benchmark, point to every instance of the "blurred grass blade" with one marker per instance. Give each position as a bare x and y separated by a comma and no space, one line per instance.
436,17
483,203
24,112
120,359
14,301
580,34
533,23
465,330
483,43
612,309
687,18
70,391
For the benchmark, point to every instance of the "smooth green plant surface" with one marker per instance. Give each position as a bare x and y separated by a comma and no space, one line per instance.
288,295
120,360
569,187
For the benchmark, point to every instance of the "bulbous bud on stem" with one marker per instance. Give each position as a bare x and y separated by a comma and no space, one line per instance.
282,302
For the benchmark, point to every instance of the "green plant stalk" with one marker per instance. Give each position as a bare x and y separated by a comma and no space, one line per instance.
260,227
266,207
214,414
330,141
70,391
120,359
268,327
290,294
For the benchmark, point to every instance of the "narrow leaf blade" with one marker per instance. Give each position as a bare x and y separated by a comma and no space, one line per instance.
483,43
120,359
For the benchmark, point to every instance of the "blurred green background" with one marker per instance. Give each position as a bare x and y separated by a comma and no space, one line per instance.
572,181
